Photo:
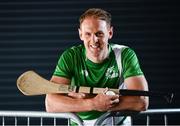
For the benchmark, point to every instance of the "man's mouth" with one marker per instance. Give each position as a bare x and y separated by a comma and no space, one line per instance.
95,49
94,46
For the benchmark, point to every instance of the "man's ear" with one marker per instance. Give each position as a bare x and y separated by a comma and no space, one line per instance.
111,32
80,33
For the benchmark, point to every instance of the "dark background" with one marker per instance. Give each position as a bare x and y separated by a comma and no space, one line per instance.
33,33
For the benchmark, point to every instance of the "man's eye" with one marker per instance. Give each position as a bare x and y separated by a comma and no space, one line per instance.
99,34
87,34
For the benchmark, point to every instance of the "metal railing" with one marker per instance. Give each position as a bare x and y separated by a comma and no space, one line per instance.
146,114
35,114
163,112
71,116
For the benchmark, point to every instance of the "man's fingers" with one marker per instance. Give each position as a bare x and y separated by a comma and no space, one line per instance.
115,101
113,97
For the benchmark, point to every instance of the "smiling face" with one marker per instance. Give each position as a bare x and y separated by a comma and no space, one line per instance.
95,34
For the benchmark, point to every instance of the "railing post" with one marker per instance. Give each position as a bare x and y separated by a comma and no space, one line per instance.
147,120
54,121
15,121
165,120
41,123
113,121
3,121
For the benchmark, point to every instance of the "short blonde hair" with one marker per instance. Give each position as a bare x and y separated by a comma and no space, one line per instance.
96,13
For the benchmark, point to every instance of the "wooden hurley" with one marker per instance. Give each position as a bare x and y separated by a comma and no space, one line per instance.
30,83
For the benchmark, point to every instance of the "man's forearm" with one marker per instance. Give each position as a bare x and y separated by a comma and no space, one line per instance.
136,103
61,103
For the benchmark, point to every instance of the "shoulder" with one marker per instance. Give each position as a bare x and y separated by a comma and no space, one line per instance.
128,52
125,51
123,48
117,46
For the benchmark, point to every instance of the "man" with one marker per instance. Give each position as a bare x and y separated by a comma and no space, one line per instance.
95,64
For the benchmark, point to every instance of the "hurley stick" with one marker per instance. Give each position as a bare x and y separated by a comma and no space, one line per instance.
31,83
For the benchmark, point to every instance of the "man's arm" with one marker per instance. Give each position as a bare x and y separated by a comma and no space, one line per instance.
63,103
137,103
76,102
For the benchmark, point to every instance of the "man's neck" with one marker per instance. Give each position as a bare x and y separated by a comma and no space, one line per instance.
104,55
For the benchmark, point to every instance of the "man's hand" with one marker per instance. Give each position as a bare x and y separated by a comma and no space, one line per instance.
103,102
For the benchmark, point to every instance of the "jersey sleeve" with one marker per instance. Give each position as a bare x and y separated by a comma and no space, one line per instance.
64,65
130,63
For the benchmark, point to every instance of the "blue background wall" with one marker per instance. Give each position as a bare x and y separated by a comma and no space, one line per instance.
33,33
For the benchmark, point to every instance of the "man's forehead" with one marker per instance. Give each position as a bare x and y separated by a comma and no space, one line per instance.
92,24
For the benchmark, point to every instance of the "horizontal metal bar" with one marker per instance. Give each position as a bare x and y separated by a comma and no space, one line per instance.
72,116
161,111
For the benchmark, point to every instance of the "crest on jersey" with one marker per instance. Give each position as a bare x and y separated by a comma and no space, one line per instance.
111,72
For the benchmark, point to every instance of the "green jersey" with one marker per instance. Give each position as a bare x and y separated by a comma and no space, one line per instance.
74,65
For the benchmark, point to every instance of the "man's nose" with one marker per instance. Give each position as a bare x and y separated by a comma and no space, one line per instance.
94,38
